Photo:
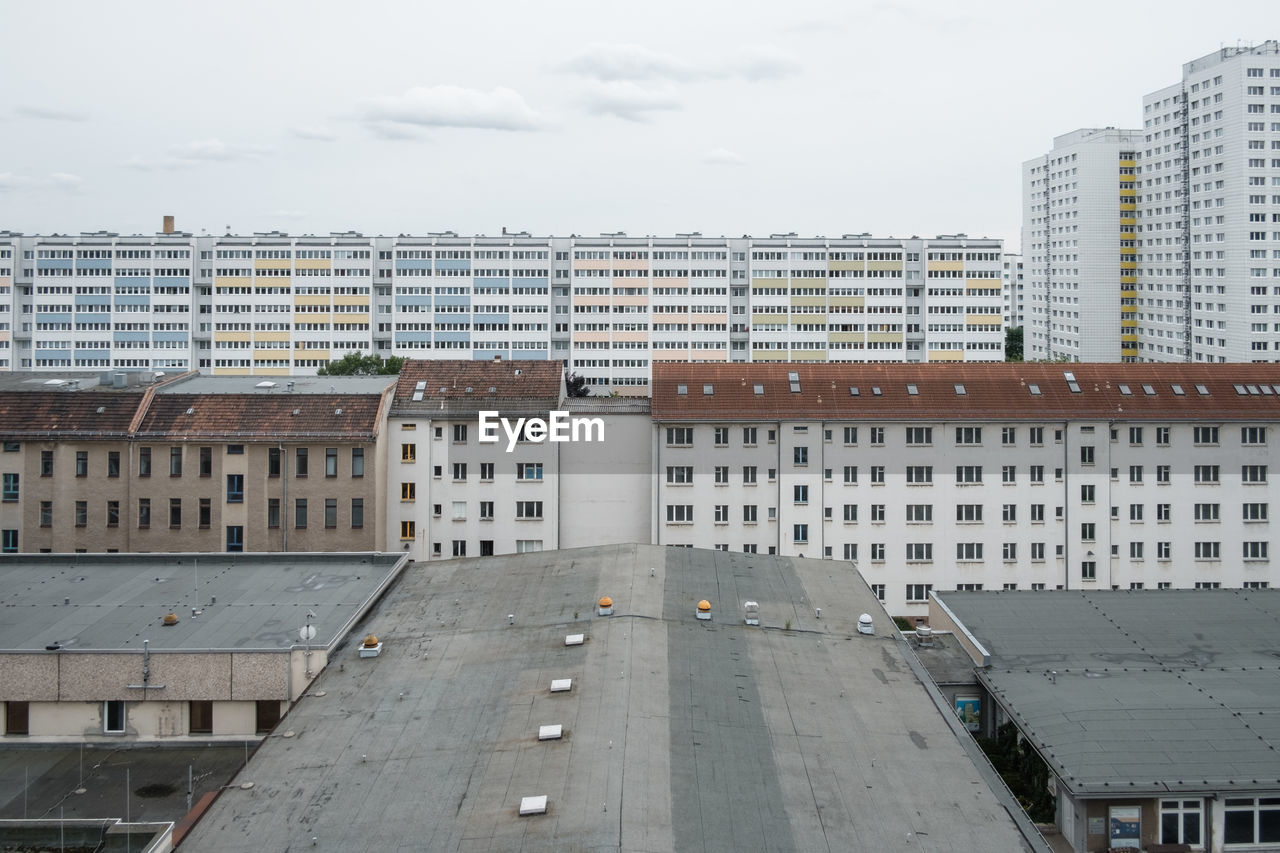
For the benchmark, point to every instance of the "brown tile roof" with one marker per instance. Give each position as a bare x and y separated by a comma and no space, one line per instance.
502,385
991,391
65,414
351,417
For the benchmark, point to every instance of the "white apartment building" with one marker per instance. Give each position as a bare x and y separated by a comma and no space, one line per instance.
1079,236
1013,291
1209,211
608,307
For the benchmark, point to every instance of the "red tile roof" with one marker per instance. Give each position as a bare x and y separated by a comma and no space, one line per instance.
61,414
352,417
991,391
466,385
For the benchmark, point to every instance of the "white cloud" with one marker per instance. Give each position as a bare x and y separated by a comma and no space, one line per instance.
723,157
287,214
627,101
614,62
45,113
10,182
319,134
765,62
450,106
199,152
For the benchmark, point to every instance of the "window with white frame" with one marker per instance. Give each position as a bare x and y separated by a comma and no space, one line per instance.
918,475
1251,820
1181,822
918,592
679,513
918,552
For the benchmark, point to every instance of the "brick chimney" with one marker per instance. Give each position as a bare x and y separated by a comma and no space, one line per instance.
168,224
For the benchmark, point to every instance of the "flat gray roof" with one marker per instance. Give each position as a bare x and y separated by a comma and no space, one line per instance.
798,735
202,384
1155,691
246,601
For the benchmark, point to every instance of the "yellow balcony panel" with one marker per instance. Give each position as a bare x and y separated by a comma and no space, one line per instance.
884,265
708,318
271,336
321,299
946,355
4,336
769,318
946,265
272,264
768,282
1127,206
591,264
1128,351
1128,220
631,336
1128,164
809,300
630,264
1128,338
670,355
232,336
591,336
808,355
1128,309
809,282
1128,294
847,301
270,354
312,318
842,337
982,319
297,353
592,299
351,299
264,283
768,355
982,284
232,281
1128,265
884,337
231,371
1128,191
1129,324
312,264
846,265
630,300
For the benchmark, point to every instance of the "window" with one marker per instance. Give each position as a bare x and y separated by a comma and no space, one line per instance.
1253,435
486,510
206,512
175,462
206,462
175,512
1135,512
919,435
1205,434
920,513
851,550
1135,550
967,513
1208,550
1253,473
679,513
968,550
486,472
877,589
1037,550
273,462
331,461
113,717
1181,822
721,473
1255,550
144,461
459,547
917,592
1206,474
459,471
1088,493
1251,820
1086,454
235,449
273,513
82,463
1035,435
113,463
408,452
408,530
1008,474
1009,551
144,512
969,435
1163,550
1162,436
10,492
1207,512
1088,531
721,436
851,513
330,512
721,513
877,475
459,433
300,462
235,538
113,513
800,494
800,455
1037,513
235,488
679,436
529,509
877,435
1008,436
357,512
357,462
748,475
1135,473
850,435
919,552
749,436
749,513
968,474
877,552
917,475
533,471
1163,512
1088,571
408,491
877,513
1036,473
1255,512
1135,435
1009,513
300,513
851,473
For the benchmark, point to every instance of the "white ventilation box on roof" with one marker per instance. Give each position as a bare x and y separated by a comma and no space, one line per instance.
533,805
574,639
561,685
550,732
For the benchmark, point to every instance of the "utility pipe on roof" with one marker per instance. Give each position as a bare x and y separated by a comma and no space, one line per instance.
1066,509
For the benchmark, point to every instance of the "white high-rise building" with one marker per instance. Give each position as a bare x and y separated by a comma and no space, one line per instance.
1079,243
1012,288
1209,211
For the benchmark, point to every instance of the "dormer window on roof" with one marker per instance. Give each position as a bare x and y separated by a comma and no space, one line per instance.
1240,390
853,390
1266,389
1177,389
682,390
875,390
1124,389
1253,389
759,390
912,389
708,390
1034,389
1202,390
1149,390
793,378
960,392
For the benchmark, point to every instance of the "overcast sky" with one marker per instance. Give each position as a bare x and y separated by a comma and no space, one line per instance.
727,118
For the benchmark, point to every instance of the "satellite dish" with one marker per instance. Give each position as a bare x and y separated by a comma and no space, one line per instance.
307,632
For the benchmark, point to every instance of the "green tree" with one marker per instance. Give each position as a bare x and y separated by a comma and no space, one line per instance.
362,364
1013,344
576,386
